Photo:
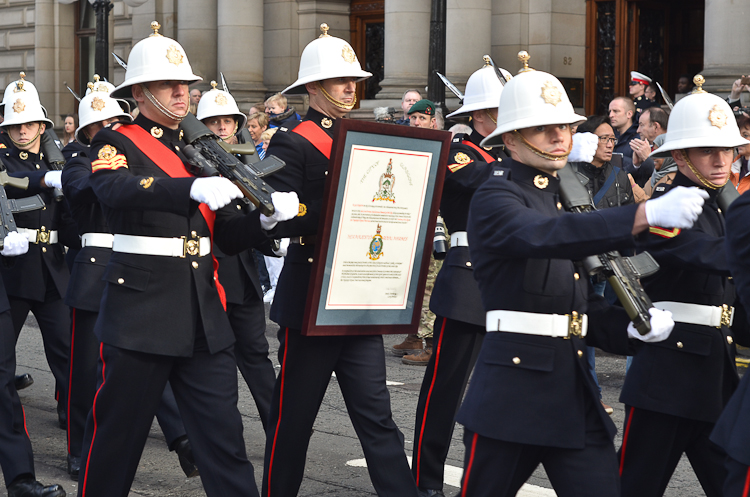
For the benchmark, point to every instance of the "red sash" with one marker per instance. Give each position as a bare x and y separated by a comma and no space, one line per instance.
487,157
171,164
319,138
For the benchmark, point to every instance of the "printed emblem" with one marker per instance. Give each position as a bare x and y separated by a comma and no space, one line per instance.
348,54
157,132
326,123
174,56
551,93
718,117
107,152
376,246
302,210
221,99
19,106
462,158
98,104
24,156
146,182
541,182
386,184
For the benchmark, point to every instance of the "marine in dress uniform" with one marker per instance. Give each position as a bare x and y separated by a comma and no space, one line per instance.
532,399
38,280
637,88
459,324
328,71
238,273
161,316
97,110
675,390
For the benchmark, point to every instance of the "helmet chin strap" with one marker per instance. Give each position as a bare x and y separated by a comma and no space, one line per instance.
151,98
337,103
30,142
541,153
704,181
236,126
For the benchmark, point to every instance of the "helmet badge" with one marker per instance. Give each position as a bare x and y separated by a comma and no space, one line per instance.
551,93
19,106
174,56
98,104
221,99
348,54
718,117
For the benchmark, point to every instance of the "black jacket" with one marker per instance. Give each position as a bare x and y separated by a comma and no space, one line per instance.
593,178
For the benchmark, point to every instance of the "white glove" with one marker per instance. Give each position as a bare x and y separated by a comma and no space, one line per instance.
53,179
286,207
679,208
283,247
216,192
661,327
15,244
584,147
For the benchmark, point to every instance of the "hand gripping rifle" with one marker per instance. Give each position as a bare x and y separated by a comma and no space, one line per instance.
55,159
9,206
209,156
623,273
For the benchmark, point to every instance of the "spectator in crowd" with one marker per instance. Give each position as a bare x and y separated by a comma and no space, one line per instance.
653,122
258,123
195,97
422,115
439,119
279,112
650,92
621,116
409,98
258,107
740,175
265,137
69,129
684,84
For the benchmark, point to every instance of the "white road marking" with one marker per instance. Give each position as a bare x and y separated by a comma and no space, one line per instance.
453,476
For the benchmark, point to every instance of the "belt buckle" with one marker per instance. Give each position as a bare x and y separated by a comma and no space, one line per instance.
575,325
42,236
190,247
726,315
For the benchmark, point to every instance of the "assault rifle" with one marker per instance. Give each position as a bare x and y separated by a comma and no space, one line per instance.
623,273
9,206
209,156
54,157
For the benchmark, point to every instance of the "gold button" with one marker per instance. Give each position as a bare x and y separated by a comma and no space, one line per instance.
37,166
326,173
310,260
239,207
193,234
195,265
679,345
120,281
516,360
45,208
559,206
93,259
468,264
730,340
576,276
44,249
580,353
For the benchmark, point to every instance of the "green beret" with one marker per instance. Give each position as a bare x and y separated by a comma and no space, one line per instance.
424,106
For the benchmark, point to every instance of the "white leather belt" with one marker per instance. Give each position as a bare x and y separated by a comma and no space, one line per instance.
103,240
169,247
532,323
706,315
39,236
459,239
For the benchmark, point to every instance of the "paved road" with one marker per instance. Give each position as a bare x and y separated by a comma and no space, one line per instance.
332,446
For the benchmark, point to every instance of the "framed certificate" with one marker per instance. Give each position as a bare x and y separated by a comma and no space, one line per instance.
375,236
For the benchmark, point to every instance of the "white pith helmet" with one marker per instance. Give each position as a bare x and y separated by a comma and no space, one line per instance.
700,120
97,106
217,102
155,58
324,58
532,98
21,104
106,86
483,90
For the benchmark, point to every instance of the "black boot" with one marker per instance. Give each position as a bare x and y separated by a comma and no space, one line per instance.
74,467
29,487
185,454
23,381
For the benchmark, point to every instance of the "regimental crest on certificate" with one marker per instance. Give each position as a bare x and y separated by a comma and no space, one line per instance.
385,185
376,246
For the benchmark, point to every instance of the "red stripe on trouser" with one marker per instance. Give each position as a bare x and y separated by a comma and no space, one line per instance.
467,471
281,399
70,373
747,483
93,412
625,439
26,428
427,402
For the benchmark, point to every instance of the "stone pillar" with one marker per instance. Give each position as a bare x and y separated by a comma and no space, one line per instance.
280,44
197,33
726,38
469,37
240,49
44,53
407,40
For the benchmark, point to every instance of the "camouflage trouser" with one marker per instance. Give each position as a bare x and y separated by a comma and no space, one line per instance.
427,321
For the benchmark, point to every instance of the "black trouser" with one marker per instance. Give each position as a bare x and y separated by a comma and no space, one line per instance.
130,388
652,445
306,367
53,317
251,349
16,457
737,483
84,358
454,352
